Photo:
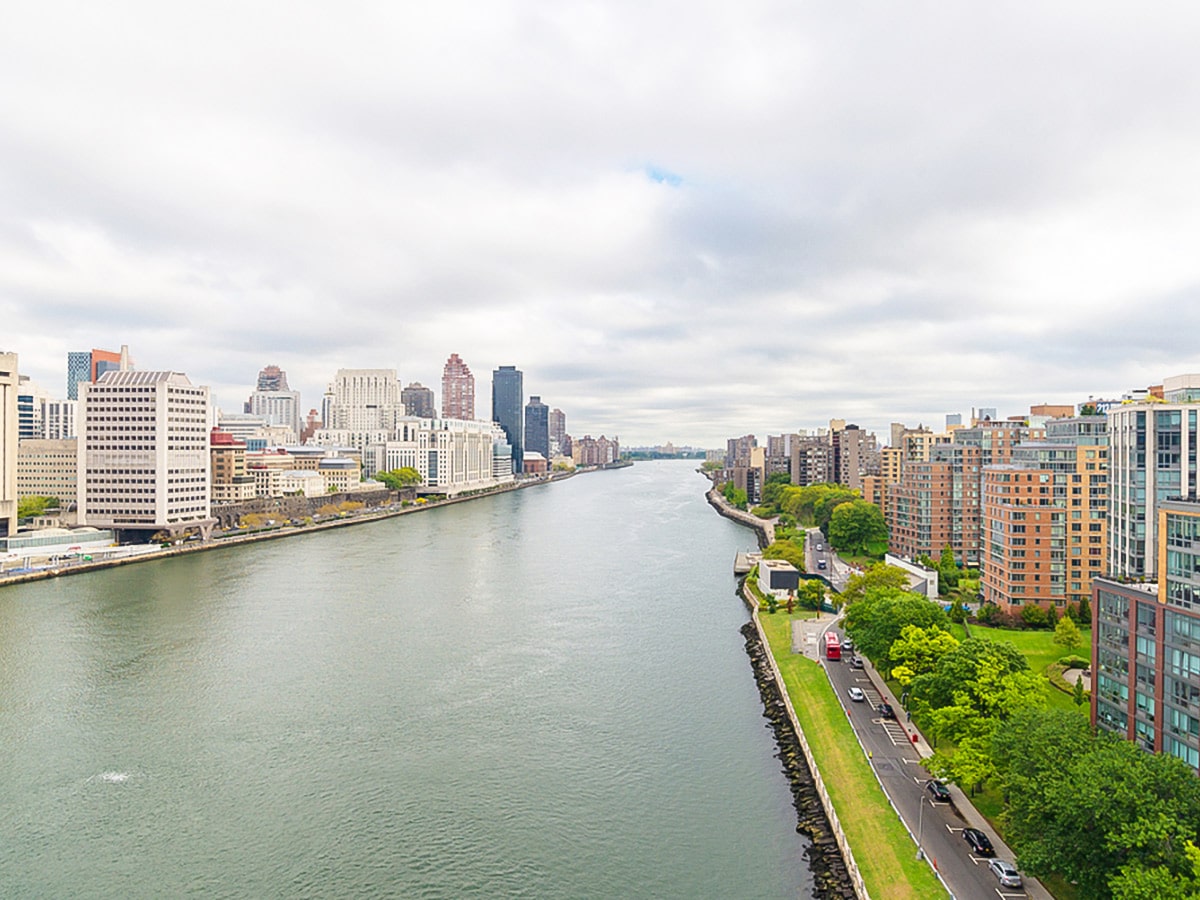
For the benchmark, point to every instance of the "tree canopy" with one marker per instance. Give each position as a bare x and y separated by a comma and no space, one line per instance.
855,525
877,620
396,479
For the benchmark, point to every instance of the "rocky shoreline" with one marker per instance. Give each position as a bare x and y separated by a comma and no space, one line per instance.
830,877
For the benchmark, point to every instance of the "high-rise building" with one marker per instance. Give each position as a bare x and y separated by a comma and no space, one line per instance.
8,444
275,402
508,394
144,452
1146,644
451,455
737,451
84,365
558,433
365,399
1152,456
458,390
537,427
272,378
418,401
29,409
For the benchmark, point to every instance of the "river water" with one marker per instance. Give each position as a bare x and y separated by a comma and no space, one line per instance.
540,694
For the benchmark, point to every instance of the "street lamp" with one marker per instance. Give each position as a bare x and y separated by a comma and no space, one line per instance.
920,826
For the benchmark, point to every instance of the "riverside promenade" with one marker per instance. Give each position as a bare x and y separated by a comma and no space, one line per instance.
227,539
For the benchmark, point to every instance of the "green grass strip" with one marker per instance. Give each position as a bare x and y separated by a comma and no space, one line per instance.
882,847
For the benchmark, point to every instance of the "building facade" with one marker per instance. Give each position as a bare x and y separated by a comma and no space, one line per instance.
559,442
144,452
451,455
85,365
537,427
508,393
231,482
48,469
418,401
1146,644
1152,456
458,390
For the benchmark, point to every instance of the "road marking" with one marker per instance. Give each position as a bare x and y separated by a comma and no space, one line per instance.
1006,896
952,829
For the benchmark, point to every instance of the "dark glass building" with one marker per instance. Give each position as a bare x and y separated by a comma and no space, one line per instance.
508,392
537,427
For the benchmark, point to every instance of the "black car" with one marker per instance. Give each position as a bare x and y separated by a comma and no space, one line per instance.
885,710
979,841
938,791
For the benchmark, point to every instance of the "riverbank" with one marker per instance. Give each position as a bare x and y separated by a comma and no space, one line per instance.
238,539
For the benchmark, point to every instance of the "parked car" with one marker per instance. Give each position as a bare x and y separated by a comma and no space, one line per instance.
1005,872
938,791
979,841
856,694
885,710
847,643
855,662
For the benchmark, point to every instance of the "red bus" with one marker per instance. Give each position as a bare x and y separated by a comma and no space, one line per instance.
833,647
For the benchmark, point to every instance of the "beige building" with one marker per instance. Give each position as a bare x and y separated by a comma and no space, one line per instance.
231,482
48,469
143,452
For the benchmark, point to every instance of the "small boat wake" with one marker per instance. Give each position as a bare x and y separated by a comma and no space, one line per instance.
111,777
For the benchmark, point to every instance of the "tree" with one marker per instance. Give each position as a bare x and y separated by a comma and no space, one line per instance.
879,577
786,550
812,593
1085,612
1066,634
947,570
1033,615
856,524
877,621
27,507
1077,693
396,479
773,487
1113,813
917,650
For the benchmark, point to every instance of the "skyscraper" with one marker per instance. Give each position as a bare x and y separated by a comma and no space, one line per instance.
508,391
274,402
8,444
418,401
558,432
458,390
537,427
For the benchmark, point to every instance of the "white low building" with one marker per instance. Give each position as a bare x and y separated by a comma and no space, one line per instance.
451,455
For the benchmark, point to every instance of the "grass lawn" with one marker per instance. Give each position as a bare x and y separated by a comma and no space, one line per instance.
882,847
1039,650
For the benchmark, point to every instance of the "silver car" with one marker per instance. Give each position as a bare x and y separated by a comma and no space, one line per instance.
1005,872
856,694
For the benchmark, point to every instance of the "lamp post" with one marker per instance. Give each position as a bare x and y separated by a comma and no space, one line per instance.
920,826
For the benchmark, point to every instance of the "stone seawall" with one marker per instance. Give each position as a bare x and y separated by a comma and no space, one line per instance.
830,876
765,530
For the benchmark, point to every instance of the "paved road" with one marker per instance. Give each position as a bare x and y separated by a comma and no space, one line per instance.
897,762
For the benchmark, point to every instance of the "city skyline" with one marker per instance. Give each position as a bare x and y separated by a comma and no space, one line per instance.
676,230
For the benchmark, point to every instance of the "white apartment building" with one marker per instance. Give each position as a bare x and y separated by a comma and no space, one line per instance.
365,400
452,455
144,452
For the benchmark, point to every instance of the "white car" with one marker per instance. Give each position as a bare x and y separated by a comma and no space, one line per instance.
856,694
1005,872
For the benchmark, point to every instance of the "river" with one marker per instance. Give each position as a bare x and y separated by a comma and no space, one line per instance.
537,694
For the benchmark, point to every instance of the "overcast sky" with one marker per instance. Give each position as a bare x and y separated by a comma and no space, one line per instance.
682,221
